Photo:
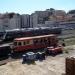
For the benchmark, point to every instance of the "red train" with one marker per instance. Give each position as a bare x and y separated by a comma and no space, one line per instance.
33,43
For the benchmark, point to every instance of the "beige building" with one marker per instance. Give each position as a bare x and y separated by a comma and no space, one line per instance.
58,15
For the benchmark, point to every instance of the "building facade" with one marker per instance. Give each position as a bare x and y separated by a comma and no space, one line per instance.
15,22
25,21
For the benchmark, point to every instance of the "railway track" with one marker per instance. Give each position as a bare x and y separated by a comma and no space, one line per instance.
67,34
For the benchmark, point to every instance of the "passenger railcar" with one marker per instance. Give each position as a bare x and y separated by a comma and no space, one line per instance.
33,43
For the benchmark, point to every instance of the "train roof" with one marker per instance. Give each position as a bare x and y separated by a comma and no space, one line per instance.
29,29
5,45
27,38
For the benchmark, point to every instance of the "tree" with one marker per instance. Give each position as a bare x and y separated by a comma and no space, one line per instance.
71,12
11,15
52,9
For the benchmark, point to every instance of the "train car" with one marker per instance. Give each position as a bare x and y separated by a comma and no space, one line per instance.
9,35
5,50
53,30
34,43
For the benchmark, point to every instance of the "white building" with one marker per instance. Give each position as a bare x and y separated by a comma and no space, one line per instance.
15,22
33,20
25,21
4,22
38,17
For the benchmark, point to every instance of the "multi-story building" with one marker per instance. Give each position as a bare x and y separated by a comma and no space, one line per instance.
50,23
25,21
1,25
33,20
4,22
39,17
42,16
49,18
58,15
7,22
15,22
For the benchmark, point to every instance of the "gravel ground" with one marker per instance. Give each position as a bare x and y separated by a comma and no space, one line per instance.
50,66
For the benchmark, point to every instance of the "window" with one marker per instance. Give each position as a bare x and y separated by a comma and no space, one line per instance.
24,43
40,40
15,43
45,41
35,41
10,35
31,42
19,43
27,42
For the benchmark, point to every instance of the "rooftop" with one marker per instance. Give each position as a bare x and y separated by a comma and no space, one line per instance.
26,38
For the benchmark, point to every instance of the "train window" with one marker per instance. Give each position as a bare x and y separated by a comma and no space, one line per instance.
48,39
31,41
9,35
41,40
27,42
45,40
19,43
15,43
24,43
35,41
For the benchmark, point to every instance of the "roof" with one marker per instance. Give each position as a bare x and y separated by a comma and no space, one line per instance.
12,30
26,38
5,45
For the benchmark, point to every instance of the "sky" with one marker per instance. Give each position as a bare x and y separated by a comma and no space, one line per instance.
29,6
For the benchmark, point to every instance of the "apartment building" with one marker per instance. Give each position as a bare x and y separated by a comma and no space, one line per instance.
25,21
15,22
